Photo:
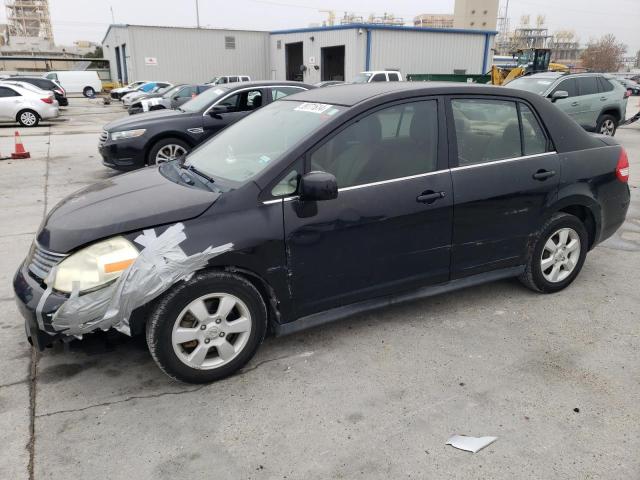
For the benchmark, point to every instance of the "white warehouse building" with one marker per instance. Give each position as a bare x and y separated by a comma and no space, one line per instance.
308,54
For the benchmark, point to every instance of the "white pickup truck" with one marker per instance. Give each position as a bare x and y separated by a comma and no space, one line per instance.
378,76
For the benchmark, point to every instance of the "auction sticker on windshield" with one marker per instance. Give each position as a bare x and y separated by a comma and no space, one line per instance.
313,107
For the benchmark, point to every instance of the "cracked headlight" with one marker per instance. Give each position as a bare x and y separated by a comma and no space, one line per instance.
127,134
95,266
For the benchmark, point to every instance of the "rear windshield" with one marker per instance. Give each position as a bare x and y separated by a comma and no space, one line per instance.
203,100
272,130
535,85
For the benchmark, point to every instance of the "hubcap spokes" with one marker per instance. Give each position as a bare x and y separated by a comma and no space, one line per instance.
607,128
169,152
28,118
560,255
211,331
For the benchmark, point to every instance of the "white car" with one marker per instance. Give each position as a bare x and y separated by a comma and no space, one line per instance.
26,104
118,93
378,76
137,94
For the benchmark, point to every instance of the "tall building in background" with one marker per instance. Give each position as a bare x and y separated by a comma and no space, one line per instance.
29,24
476,14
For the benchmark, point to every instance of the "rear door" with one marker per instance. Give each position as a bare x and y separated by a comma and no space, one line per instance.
505,175
9,102
590,103
389,229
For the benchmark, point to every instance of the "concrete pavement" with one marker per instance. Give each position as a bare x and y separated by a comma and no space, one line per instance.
555,377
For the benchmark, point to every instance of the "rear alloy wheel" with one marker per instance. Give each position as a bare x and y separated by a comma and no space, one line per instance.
88,92
28,118
206,328
558,254
607,125
167,150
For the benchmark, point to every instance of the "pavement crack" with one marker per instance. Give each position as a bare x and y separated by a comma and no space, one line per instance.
33,371
124,400
284,357
13,384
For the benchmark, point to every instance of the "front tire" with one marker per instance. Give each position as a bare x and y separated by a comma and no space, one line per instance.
607,125
28,118
558,254
207,328
166,150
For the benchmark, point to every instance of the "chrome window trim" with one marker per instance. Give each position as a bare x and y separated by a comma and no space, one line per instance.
411,177
504,160
245,90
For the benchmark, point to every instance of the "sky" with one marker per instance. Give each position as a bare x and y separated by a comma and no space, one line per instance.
88,19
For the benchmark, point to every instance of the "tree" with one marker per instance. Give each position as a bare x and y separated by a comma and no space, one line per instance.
97,53
604,55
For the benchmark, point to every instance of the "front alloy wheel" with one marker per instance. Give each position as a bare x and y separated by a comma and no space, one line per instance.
206,328
169,152
211,331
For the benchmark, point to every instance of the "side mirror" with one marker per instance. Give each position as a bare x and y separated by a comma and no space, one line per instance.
317,186
559,94
216,110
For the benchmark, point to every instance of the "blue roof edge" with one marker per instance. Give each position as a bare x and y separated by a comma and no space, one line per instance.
385,27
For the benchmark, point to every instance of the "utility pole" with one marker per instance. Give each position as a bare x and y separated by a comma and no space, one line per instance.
113,17
197,15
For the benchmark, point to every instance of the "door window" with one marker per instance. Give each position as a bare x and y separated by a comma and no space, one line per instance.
394,142
8,92
569,85
486,130
243,101
588,85
233,79
534,138
394,77
185,92
605,85
280,92
379,77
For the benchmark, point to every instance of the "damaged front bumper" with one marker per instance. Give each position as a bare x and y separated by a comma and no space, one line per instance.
36,310
162,263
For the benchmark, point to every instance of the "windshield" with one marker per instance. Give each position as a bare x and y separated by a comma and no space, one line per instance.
244,149
203,100
531,84
362,78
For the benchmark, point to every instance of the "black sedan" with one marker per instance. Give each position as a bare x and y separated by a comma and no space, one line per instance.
164,135
325,204
45,84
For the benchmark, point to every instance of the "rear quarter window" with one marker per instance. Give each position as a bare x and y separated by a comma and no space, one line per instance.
605,85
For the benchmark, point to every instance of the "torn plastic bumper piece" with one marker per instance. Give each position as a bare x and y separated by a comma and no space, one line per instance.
160,265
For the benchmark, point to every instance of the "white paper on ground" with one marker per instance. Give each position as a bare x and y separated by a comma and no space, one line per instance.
470,444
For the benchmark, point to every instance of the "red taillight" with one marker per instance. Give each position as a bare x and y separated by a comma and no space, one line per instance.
47,100
622,168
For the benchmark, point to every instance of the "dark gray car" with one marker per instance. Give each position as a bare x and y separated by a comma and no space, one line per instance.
171,99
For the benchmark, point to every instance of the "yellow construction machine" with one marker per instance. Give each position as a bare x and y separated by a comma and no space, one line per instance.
526,62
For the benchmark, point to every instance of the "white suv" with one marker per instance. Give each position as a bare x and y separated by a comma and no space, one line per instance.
26,104
378,76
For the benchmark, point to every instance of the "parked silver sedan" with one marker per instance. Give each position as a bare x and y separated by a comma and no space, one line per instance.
26,104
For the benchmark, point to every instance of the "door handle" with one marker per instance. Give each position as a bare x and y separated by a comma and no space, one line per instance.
542,175
603,99
430,196
575,104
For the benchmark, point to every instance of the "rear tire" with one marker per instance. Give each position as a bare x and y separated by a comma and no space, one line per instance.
195,338
607,125
558,254
167,149
28,118
88,92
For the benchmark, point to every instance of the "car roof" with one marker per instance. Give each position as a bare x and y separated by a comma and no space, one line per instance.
351,94
261,83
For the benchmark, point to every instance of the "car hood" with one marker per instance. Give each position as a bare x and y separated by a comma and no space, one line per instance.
124,203
138,121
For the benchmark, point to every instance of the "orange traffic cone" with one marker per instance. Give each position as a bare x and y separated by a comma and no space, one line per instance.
20,151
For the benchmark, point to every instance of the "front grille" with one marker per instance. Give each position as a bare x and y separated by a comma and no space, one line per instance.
103,137
42,261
